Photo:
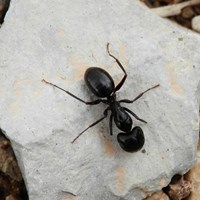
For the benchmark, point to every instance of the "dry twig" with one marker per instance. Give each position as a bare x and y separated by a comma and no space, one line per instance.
172,10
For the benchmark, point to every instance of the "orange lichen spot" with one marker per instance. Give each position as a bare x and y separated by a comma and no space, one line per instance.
79,67
68,196
61,33
109,150
120,179
122,53
14,107
172,78
162,182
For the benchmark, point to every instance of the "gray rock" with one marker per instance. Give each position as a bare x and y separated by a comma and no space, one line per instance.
58,41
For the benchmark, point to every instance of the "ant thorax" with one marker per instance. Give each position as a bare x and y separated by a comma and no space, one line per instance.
111,99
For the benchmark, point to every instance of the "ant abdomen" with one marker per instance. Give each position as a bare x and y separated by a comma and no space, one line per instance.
131,141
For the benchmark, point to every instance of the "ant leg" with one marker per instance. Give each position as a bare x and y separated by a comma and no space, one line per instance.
72,95
140,95
134,115
120,65
110,124
91,125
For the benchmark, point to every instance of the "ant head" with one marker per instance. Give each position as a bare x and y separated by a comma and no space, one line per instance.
131,141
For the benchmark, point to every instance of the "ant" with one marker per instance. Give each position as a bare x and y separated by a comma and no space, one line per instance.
102,85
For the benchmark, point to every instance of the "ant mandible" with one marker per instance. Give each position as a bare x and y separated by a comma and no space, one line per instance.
102,85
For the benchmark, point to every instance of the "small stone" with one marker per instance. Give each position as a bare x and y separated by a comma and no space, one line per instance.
11,197
194,177
8,163
179,188
187,13
196,23
158,196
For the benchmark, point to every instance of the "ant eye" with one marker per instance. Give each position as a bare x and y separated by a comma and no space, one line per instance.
131,141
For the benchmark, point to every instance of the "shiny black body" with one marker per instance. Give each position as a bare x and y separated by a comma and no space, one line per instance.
102,85
99,81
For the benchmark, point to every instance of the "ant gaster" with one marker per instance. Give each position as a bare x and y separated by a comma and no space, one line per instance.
102,85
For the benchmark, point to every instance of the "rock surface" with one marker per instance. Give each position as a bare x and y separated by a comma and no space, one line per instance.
58,41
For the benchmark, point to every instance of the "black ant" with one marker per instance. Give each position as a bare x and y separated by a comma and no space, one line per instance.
102,85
